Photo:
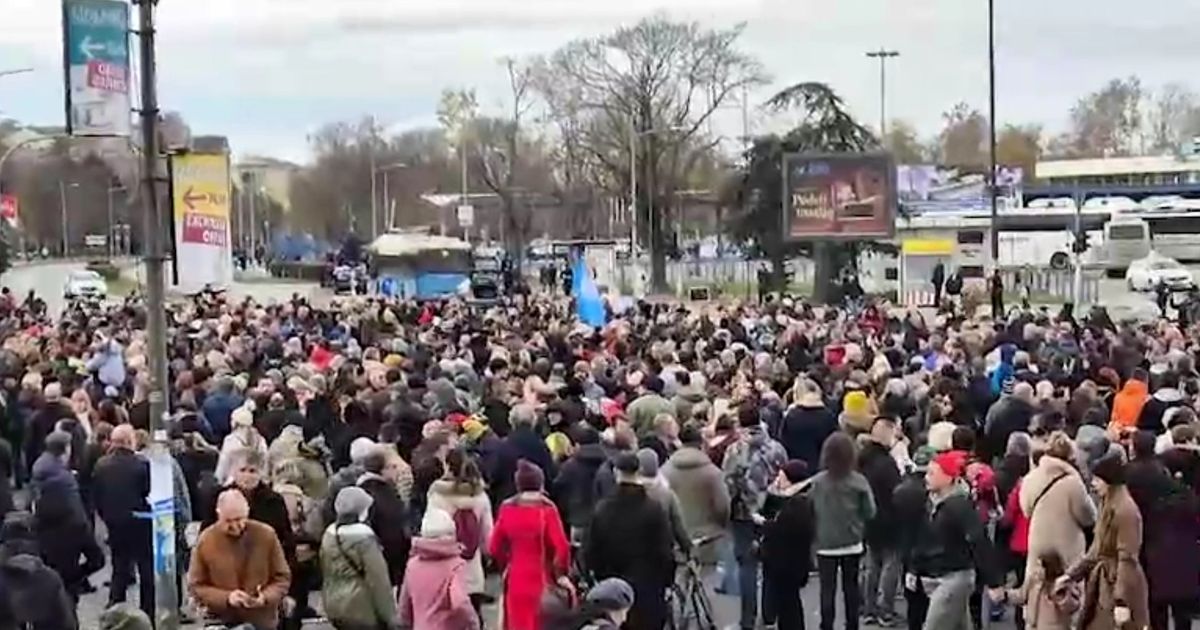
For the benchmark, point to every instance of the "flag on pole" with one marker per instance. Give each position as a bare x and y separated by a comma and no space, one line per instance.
589,306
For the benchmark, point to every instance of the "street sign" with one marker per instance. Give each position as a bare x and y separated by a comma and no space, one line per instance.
200,184
96,62
466,215
95,240
10,209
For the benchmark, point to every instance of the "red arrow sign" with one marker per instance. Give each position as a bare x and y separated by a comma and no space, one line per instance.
190,198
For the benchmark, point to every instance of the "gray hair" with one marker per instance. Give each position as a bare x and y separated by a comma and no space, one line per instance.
522,414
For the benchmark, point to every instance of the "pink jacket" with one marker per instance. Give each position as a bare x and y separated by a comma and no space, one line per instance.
434,594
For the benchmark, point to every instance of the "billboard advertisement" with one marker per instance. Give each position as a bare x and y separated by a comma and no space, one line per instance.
200,197
96,64
928,188
846,195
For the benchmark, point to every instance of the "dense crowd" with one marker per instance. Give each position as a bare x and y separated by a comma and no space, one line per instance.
402,465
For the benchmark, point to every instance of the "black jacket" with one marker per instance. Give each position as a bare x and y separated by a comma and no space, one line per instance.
388,517
574,487
877,465
908,504
1007,416
63,530
120,485
951,538
630,538
1151,418
42,424
521,443
804,431
32,595
788,536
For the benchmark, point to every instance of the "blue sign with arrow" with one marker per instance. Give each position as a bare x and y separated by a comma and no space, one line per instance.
96,56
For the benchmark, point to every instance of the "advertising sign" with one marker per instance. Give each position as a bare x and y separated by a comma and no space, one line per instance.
10,209
96,61
200,185
850,195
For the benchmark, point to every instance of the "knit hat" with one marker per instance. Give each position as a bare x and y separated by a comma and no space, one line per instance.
124,616
953,463
241,417
627,463
923,456
611,595
856,403
1111,469
647,463
528,478
473,429
437,524
360,448
352,501
795,470
941,435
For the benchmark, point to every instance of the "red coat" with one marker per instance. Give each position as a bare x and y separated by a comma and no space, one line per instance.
1018,542
528,541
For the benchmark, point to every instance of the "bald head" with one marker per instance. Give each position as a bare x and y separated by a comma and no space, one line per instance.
232,512
124,436
1024,391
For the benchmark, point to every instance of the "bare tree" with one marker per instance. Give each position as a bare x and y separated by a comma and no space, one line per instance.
647,89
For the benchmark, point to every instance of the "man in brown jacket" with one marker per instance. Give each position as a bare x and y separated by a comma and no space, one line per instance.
238,570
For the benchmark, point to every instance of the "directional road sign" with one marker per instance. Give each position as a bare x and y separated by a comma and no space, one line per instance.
96,61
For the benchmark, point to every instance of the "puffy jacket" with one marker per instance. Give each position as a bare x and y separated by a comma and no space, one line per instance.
109,363
355,588
750,466
1128,403
434,597
953,539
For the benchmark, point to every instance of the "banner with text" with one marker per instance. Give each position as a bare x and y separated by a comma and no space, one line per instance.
848,195
96,62
200,188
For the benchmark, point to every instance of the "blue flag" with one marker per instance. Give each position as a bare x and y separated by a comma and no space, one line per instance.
589,307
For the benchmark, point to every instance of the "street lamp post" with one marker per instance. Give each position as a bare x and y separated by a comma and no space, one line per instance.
112,246
375,171
635,136
883,55
995,242
62,197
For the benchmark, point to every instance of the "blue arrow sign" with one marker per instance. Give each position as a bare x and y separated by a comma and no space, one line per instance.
97,30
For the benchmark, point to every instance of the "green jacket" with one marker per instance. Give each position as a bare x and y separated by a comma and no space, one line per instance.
355,589
842,507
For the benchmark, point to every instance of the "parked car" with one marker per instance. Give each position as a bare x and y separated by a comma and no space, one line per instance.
350,279
1145,274
85,283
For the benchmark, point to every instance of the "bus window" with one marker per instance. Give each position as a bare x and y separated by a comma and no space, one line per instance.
970,237
1127,232
970,271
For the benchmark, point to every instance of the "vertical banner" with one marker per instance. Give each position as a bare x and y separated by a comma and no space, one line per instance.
200,185
162,515
96,65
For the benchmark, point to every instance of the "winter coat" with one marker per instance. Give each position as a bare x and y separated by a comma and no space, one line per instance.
1016,522
435,596
487,452
703,497
630,538
217,409
252,562
42,424
750,465
1042,612
788,534
388,518
843,507
1062,515
1184,464
529,543
659,492
343,478
32,595
1151,417
63,529
879,467
1172,547
266,507
804,431
355,587
444,496
1114,575
109,364
521,443
685,401
233,444
120,487
1128,403
645,409
1005,417
574,488
951,538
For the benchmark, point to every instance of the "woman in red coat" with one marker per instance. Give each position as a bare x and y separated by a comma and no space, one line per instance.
529,543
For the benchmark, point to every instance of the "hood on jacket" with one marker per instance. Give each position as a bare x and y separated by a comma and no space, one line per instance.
1168,395
688,458
591,454
445,489
434,549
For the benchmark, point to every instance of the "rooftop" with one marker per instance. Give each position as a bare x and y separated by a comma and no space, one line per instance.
1101,167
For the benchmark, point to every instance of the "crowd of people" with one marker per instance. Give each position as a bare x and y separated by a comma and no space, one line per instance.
399,465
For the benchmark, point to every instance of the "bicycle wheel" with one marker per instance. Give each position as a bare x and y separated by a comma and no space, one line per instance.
702,607
676,608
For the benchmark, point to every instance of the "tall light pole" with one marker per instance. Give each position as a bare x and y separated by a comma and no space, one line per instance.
375,171
995,216
635,136
62,198
112,246
883,55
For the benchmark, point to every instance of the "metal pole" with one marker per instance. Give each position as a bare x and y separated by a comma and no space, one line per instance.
883,55
112,252
62,199
995,216
387,205
463,150
253,220
374,198
1077,285
633,139
166,604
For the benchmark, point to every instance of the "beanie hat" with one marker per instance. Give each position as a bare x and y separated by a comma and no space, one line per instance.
953,463
528,478
360,448
473,429
437,524
611,595
941,435
856,403
124,616
796,470
352,501
1111,469
923,456
647,463
627,463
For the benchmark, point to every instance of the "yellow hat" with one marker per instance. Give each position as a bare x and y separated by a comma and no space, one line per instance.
393,360
856,403
473,429
559,444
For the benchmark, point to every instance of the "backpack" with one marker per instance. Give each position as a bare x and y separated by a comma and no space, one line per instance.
468,532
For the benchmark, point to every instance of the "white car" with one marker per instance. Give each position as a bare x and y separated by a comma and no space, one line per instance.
85,284
1147,273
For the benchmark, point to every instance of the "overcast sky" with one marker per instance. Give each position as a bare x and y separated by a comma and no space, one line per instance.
268,72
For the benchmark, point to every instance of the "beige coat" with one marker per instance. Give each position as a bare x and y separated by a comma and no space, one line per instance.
1062,514
1112,569
443,496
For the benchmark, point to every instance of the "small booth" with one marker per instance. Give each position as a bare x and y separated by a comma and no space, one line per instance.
421,266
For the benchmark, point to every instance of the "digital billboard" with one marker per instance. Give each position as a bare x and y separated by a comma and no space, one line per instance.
840,195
